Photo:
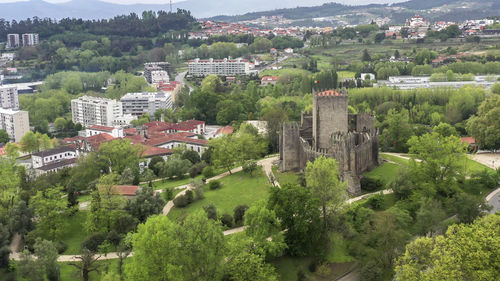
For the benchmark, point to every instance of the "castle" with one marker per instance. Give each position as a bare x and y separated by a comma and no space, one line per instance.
331,131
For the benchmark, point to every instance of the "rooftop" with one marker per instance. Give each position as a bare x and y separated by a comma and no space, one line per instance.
101,128
54,151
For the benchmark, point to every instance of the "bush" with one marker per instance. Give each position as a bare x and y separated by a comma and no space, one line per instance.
249,167
189,196
208,172
114,238
324,270
199,193
376,201
197,169
370,184
239,214
211,211
214,185
181,201
168,193
93,242
227,220
313,266
61,247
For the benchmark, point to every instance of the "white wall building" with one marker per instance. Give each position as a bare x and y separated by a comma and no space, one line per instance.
225,67
9,97
158,76
13,41
138,104
30,39
15,122
90,111
50,156
115,132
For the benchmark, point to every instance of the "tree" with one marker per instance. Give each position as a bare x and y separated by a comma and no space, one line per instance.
4,246
224,152
366,56
445,130
191,155
12,150
50,210
245,262
20,218
46,254
465,252
4,137
299,214
119,154
29,143
322,178
145,204
174,167
28,267
396,130
263,224
485,127
87,263
429,216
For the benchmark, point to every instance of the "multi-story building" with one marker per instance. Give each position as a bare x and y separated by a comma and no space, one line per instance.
15,122
13,41
53,160
156,72
90,111
225,67
9,97
30,39
138,104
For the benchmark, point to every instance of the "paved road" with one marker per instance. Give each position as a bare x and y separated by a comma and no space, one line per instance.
493,199
491,160
180,78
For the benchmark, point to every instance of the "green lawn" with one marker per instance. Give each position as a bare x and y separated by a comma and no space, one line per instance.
288,267
345,74
173,182
385,172
74,233
69,272
396,159
284,71
237,189
472,166
285,178
338,252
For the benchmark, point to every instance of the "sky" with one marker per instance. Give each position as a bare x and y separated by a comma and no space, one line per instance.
351,2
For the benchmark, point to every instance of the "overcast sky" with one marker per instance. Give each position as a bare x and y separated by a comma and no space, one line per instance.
351,2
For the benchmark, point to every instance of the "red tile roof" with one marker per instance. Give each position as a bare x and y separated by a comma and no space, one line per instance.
156,151
96,140
131,131
227,130
329,93
101,128
469,140
269,78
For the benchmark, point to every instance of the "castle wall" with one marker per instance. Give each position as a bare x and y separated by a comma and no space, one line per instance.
290,147
363,122
329,116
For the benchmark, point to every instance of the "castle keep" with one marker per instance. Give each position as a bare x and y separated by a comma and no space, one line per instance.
331,131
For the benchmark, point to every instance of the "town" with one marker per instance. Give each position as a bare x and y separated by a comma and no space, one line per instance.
275,145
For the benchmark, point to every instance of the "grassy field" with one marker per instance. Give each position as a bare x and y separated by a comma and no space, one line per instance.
69,272
74,233
237,189
285,178
173,182
385,172
288,268
284,71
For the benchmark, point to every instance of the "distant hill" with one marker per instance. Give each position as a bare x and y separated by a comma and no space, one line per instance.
449,10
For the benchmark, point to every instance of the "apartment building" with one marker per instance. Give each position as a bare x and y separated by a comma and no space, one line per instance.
90,111
156,72
9,97
13,41
225,67
138,104
15,122
30,39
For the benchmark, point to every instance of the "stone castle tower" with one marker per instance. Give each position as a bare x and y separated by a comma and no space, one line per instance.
331,131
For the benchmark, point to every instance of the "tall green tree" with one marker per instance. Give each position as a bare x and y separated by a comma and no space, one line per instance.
485,127
4,137
119,154
465,252
50,210
322,177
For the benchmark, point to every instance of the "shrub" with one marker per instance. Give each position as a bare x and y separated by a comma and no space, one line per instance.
168,193
114,238
181,201
214,185
324,270
93,242
208,172
249,167
239,214
227,220
211,211
313,266
370,184
189,196
197,169
199,193
61,247
376,201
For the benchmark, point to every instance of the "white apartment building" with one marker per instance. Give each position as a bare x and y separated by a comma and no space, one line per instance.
138,104
225,67
9,97
13,41
90,111
156,72
30,39
15,122
158,76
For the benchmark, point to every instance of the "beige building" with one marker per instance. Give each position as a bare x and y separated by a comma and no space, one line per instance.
15,122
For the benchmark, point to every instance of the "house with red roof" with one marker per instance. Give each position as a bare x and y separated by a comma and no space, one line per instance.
269,80
127,191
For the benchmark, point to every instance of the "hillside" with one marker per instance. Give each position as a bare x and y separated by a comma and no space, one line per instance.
450,10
